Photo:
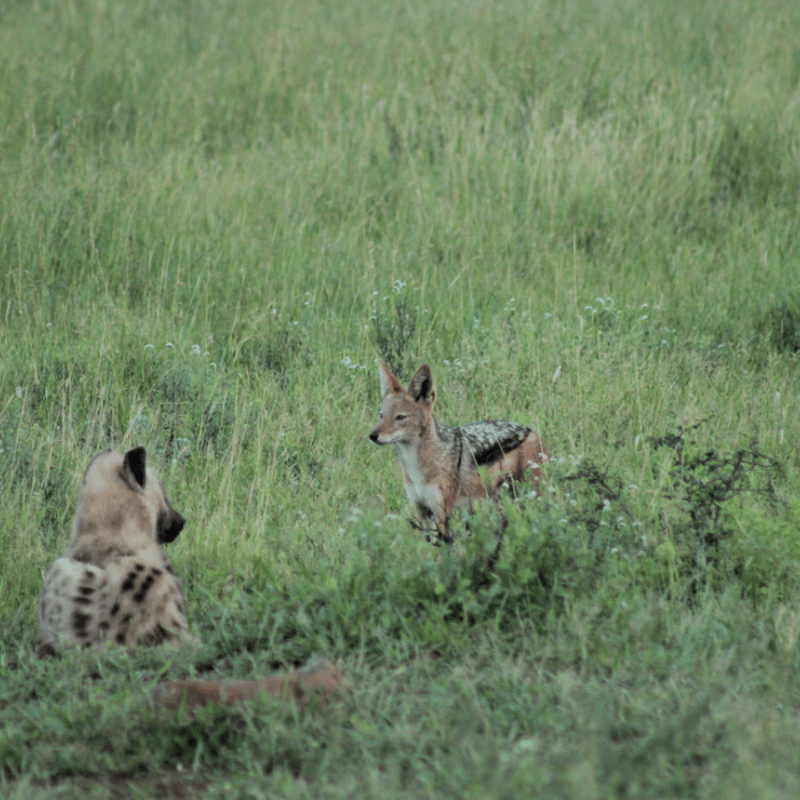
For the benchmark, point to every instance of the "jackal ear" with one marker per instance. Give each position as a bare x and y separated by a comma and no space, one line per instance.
421,386
134,471
388,381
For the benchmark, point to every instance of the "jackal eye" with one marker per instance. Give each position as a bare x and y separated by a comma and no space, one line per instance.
400,417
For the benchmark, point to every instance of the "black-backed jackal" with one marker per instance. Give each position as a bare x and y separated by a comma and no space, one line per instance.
441,464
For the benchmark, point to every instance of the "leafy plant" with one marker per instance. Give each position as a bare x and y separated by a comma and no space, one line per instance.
704,480
394,325
781,324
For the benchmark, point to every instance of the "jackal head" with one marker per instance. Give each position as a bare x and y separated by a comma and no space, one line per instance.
405,413
119,490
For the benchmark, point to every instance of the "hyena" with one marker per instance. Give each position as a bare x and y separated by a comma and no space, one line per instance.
113,582
441,464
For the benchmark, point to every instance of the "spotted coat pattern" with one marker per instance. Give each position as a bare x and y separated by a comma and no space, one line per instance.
113,582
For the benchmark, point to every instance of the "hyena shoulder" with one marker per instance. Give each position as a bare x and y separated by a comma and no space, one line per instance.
113,581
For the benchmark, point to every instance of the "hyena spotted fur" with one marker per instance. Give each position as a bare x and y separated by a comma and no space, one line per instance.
113,582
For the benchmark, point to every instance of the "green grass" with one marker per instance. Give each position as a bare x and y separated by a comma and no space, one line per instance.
216,215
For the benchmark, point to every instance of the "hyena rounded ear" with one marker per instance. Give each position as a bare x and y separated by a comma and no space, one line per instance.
134,471
421,386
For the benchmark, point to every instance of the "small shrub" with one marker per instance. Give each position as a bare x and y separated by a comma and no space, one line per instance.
780,324
750,164
394,325
193,399
273,349
702,480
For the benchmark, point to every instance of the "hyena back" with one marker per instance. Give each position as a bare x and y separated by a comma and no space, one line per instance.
113,582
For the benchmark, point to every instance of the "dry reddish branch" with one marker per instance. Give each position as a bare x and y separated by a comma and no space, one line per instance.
317,679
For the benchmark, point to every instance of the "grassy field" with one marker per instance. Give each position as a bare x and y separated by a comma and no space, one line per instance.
215,216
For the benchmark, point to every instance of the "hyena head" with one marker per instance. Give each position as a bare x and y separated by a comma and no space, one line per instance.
405,413
121,496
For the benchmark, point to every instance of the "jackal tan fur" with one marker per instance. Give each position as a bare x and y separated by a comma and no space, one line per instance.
441,464
113,582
